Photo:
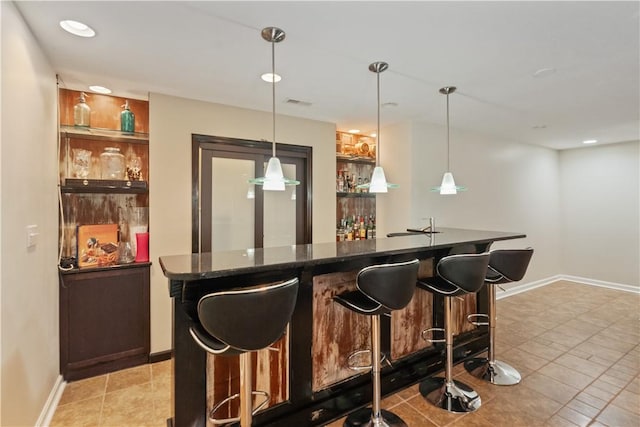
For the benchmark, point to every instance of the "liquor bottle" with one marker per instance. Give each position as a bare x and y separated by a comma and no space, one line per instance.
349,229
363,229
373,227
82,112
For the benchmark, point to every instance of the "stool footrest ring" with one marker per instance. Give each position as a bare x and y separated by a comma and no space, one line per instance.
218,421
352,363
473,319
425,332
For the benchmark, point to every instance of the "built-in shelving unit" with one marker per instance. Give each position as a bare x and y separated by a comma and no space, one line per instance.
104,308
355,160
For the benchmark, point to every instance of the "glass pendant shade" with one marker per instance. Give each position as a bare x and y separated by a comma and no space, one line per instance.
378,182
273,179
448,185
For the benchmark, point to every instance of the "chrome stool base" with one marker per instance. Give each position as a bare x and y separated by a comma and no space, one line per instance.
456,397
364,417
496,372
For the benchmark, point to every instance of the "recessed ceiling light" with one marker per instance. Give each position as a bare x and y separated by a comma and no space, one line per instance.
544,72
354,131
373,135
77,28
590,141
100,89
268,77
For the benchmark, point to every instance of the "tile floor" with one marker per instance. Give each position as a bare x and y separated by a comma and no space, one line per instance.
576,346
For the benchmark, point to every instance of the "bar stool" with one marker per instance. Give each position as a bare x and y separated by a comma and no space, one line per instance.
505,266
456,275
241,321
380,290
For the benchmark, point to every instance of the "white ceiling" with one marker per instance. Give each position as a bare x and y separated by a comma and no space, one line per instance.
213,51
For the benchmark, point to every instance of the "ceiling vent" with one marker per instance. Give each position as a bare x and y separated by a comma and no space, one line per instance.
298,102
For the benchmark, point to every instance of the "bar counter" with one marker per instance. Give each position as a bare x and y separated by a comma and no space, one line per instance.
305,372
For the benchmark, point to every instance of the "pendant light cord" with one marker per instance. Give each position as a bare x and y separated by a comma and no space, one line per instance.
448,156
273,93
378,130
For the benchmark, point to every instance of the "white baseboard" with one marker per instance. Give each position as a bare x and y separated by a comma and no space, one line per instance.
602,284
52,403
518,289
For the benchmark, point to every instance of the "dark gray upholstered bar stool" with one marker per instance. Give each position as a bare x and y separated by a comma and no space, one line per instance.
505,266
455,275
241,321
380,290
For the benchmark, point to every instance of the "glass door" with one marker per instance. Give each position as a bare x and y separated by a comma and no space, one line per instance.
230,213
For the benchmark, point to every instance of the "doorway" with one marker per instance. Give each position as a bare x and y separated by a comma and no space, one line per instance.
228,213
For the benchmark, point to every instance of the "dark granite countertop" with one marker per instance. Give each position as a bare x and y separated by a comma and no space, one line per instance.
229,263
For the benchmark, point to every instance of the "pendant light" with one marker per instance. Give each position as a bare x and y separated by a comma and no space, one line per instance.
378,182
273,179
448,185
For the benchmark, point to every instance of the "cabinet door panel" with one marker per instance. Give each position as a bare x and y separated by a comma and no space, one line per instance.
104,320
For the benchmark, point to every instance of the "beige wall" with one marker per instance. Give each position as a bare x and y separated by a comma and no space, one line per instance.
600,193
28,282
511,187
171,122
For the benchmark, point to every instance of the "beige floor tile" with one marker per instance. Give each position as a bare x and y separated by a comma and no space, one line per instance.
627,400
83,389
128,377
129,406
566,376
583,408
550,387
581,365
615,416
574,416
79,413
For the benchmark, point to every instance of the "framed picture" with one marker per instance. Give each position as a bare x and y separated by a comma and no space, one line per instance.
97,245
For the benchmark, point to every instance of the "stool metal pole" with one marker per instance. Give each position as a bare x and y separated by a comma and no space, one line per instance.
447,393
246,398
490,369
376,417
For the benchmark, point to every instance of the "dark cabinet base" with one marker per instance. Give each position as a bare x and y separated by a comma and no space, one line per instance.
104,320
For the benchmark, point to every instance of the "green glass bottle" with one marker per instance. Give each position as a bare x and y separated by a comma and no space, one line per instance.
127,119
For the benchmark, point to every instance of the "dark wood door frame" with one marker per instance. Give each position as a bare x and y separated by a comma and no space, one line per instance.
260,151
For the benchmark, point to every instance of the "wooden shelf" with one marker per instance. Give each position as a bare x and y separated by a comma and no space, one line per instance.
104,134
76,185
355,159
356,195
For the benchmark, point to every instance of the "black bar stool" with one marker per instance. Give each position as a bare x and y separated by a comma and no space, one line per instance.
456,275
380,290
241,321
505,266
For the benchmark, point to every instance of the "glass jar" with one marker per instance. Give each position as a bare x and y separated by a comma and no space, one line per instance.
112,164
